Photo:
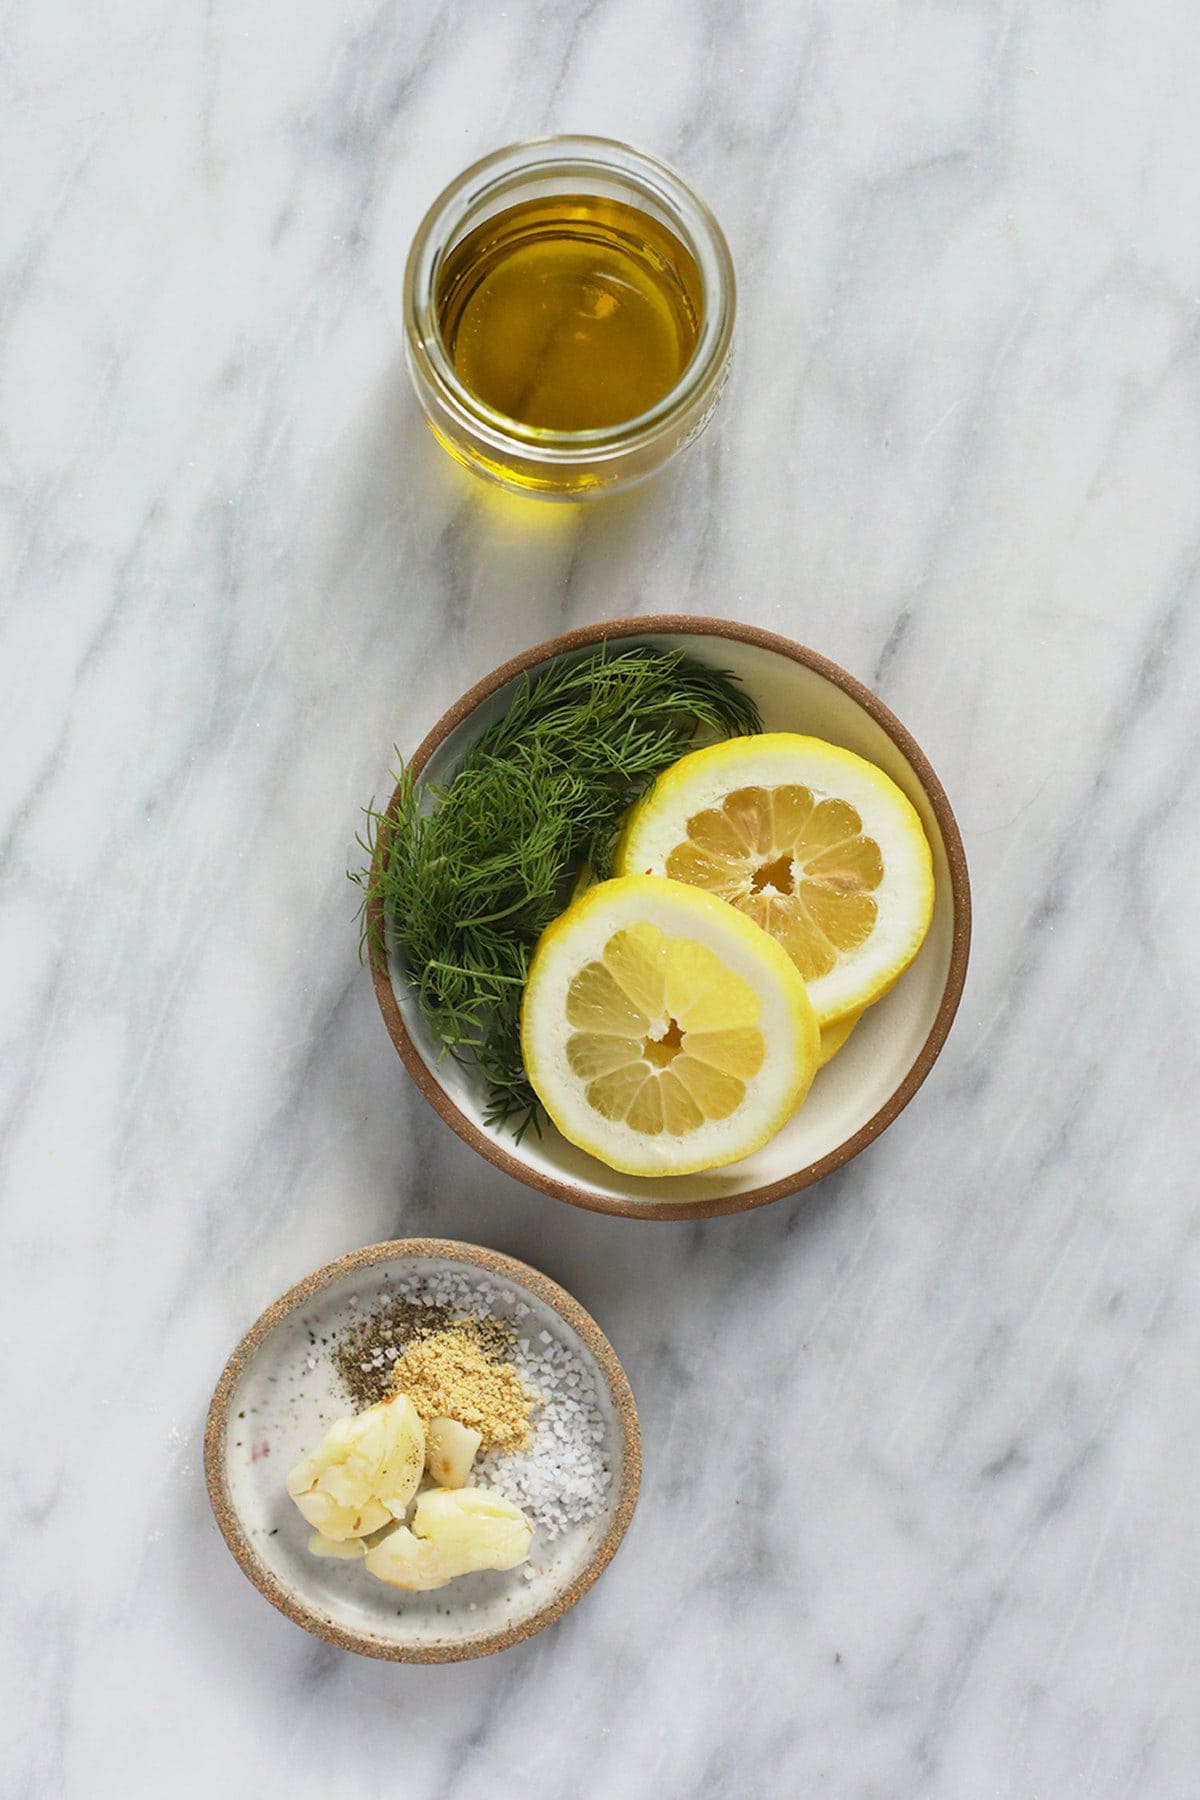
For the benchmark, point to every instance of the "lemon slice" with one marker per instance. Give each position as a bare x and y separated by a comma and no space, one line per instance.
834,1036
813,843
662,1031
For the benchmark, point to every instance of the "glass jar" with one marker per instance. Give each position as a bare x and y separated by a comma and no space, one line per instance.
558,464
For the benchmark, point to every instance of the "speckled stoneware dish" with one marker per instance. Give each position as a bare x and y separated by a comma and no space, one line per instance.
889,1053
278,1395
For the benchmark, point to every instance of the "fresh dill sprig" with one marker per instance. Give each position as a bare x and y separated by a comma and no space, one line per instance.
464,878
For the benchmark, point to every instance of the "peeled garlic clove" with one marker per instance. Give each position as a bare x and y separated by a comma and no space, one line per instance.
405,1561
473,1528
455,1531
336,1443
346,1549
364,1472
337,1521
450,1450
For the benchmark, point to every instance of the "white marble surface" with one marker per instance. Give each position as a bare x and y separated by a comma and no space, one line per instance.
920,1513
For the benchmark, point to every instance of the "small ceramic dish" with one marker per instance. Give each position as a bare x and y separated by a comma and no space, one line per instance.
279,1393
891,1051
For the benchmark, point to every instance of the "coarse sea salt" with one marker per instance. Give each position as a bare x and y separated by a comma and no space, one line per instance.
563,1479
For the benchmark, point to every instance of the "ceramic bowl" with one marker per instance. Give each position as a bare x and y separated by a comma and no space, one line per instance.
869,1083
278,1395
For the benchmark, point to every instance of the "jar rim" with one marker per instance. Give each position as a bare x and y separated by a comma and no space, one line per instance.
559,157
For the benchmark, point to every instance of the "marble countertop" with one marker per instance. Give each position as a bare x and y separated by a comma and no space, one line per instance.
920,1507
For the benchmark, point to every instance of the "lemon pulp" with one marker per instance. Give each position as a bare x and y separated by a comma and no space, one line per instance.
801,867
662,1034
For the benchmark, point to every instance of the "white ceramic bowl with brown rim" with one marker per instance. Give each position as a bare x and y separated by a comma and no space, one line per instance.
279,1393
889,1054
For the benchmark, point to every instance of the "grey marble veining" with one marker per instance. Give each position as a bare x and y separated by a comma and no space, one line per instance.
920,1511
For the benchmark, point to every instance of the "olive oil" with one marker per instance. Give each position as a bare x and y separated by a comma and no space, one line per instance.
569,312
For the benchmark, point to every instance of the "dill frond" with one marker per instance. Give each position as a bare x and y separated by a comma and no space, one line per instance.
467,875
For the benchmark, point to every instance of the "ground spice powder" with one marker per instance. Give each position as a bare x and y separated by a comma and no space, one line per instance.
456,1373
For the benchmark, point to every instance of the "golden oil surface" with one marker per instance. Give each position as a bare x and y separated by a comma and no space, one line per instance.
571,312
